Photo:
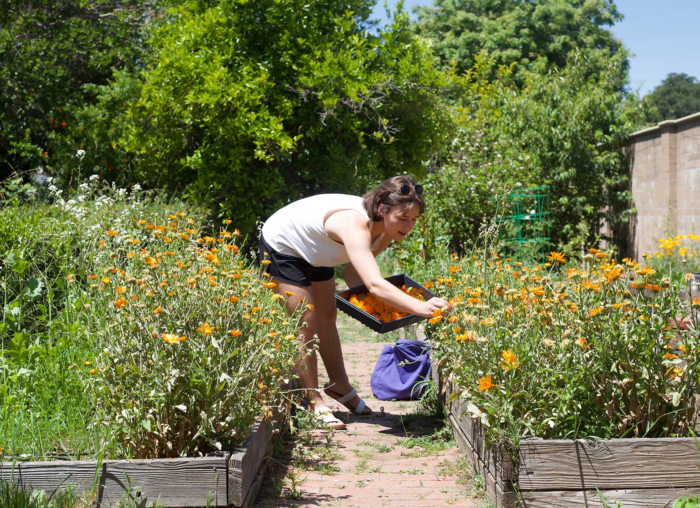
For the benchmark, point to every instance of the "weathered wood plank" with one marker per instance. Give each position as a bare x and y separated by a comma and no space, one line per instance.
173,482
497,496
614,464
245,462
636,498
496,458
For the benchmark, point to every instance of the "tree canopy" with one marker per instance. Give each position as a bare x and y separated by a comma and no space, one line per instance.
49,51
677,96
536,34
248,105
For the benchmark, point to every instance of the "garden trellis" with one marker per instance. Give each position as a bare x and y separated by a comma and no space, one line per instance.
524,225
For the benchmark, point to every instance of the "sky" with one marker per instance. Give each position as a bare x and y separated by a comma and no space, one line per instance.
664,37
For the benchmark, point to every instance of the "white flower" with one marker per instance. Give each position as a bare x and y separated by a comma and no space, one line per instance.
80,154
50,179
136,187
53,188
94,177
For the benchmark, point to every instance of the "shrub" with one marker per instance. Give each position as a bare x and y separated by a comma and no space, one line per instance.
584,352
74,366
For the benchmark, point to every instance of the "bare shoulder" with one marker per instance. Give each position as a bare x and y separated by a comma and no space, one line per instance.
344,222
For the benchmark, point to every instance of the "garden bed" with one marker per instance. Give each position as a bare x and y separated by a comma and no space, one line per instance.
639,472
231,479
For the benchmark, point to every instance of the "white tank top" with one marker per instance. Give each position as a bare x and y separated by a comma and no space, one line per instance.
297,229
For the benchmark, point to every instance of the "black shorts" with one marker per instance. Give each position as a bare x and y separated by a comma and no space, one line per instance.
291,268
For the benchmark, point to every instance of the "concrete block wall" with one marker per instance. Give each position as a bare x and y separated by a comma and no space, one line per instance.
665,182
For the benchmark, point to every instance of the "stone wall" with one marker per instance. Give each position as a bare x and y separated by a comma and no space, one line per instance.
665,182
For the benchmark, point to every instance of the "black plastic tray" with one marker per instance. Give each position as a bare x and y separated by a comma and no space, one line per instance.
342,297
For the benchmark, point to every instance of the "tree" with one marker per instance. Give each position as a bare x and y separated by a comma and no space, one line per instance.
677,96
563,128
248,105
49,51
535,34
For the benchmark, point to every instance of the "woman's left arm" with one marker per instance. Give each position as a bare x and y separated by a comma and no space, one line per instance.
350,275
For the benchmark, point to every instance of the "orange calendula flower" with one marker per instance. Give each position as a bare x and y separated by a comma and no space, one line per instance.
272,334
583,343
235,333
485,384
510,360
121,302
289,293
310,307
205,329
151,261
269,285
647,270
266,262
105,280
557,257
173,339
595,312
112,232
158,310
119,290
290,337
93,371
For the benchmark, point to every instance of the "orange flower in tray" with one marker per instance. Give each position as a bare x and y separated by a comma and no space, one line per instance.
384,317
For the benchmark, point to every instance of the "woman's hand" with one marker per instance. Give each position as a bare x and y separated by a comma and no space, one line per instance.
435,303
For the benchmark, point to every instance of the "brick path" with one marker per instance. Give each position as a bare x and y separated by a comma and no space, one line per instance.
369,464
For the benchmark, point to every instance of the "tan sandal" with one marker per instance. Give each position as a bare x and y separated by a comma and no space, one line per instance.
329,419
344,399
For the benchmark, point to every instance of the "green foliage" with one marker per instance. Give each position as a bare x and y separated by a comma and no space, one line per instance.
563,129
76,331
677,96
536,35
248,105
542,352
50,51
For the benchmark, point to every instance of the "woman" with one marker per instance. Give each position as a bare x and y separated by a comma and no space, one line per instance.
306,239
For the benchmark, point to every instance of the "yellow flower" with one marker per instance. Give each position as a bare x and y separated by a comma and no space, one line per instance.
595,312
121,302
93,371
87,363
557,257
105,280
510,361
266,262
290,337
205,329
173,339
485,384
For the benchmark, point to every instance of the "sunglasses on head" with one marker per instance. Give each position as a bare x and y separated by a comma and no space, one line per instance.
406,189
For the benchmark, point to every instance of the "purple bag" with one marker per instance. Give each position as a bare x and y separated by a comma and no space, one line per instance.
393,381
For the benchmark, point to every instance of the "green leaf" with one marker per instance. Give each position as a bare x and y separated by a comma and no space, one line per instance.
146,424
35,286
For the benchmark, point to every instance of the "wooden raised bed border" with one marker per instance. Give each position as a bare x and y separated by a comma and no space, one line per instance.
232,479
638,473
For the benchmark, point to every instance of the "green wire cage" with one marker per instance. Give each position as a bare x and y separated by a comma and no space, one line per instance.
524,224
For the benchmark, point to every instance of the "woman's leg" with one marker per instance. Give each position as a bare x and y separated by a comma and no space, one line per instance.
329,342
307,370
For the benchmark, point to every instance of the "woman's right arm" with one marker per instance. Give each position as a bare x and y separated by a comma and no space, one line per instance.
357,239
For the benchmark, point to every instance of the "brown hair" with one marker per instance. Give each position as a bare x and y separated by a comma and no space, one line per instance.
388,195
